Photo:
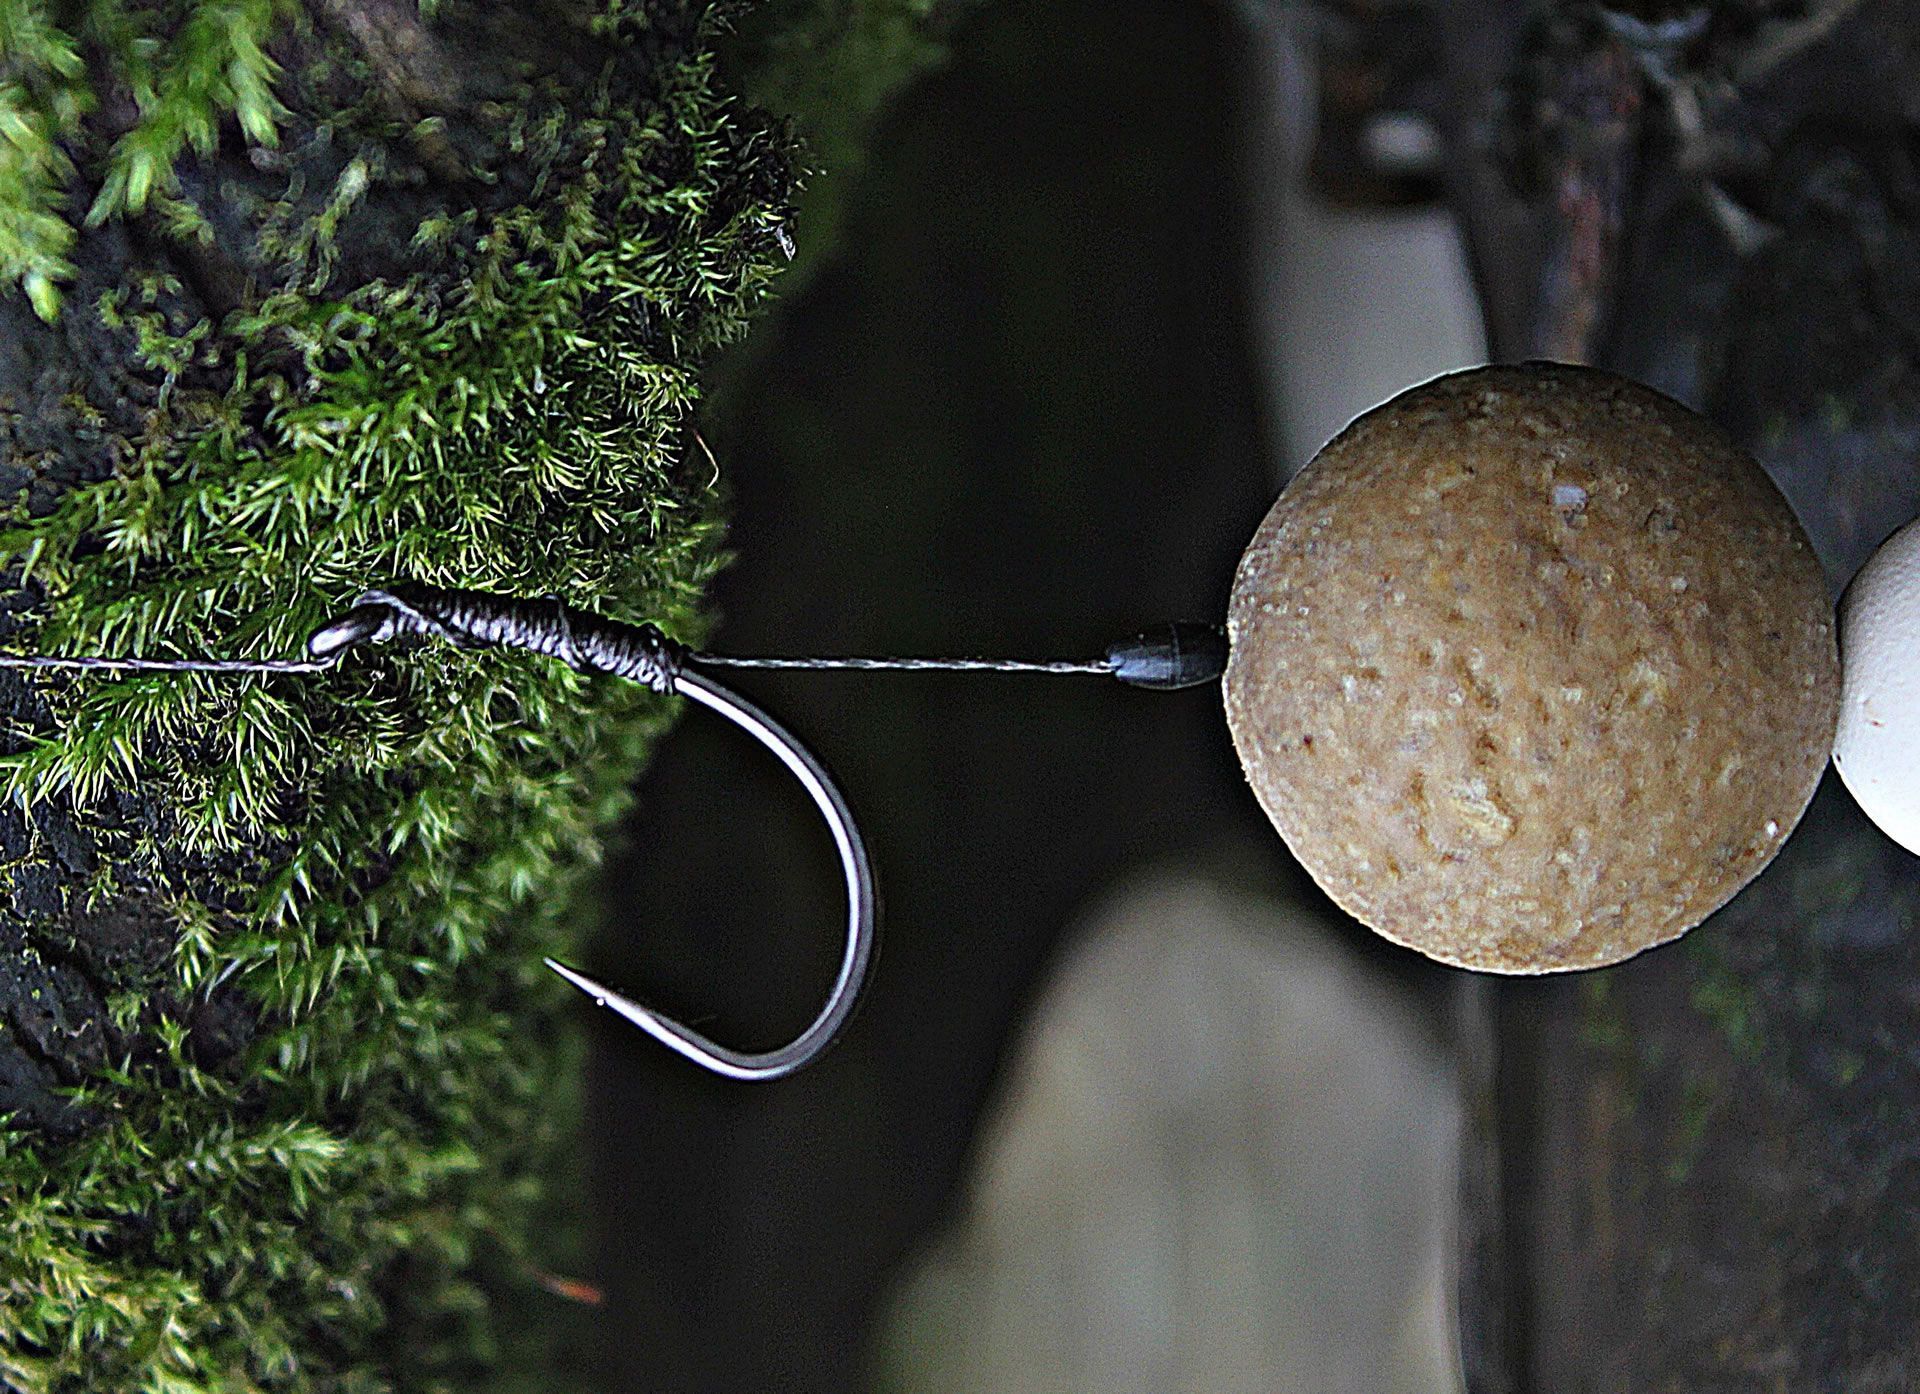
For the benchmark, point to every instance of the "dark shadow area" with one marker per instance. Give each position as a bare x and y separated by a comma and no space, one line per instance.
1017,418
1707,1155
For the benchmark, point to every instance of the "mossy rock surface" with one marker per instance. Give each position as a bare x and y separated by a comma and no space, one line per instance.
280,1063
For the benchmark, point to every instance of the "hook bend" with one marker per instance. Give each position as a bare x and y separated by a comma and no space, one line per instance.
862,911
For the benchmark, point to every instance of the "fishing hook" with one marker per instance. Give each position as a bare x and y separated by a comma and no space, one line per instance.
1169,657
1174,656
862,909
642,653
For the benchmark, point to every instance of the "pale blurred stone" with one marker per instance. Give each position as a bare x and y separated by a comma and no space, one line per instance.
1225,1162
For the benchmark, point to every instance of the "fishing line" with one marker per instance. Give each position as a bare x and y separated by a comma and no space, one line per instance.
1170,656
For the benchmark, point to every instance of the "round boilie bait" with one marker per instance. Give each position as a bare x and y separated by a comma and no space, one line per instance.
1532,668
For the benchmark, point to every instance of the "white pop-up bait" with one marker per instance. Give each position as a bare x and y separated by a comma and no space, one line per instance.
1877,746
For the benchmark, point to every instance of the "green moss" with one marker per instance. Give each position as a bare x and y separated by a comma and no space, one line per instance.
1700,1106
370,862
212,64
1725,998
832,66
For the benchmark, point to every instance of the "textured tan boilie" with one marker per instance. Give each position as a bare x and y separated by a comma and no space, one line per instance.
1532,668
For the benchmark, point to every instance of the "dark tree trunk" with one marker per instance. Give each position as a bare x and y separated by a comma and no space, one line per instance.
1702,1172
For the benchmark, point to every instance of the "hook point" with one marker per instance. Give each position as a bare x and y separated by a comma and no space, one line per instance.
579,980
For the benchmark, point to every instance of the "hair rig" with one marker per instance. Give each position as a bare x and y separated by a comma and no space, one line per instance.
1173,656
1531,667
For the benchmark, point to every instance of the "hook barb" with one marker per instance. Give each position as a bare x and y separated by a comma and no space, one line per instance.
862,912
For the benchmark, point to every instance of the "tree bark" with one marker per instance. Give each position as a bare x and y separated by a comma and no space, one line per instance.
1705,1173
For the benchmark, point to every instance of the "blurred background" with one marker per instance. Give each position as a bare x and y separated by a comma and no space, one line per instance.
1130,1106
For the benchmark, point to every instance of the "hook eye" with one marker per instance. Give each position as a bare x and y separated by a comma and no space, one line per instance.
366,622
856,960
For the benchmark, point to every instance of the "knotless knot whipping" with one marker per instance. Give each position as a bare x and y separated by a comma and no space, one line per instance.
478,620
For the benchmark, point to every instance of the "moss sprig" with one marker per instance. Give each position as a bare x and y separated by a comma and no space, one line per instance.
186,68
